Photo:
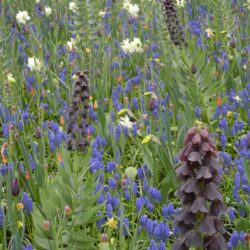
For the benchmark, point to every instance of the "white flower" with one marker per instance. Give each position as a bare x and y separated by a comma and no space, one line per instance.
47,11
133,10
22,17
131,47
180,3
137,45
209,33
34,64
124,121
101,13
126,4
38,1
125,45
71,44
73,7
237,98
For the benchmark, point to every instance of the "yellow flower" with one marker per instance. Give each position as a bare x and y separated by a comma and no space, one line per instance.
112,223
88,50
229,113
147,139
19,224
74,77
19,205
10,78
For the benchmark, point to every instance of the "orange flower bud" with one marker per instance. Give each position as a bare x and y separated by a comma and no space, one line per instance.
46,225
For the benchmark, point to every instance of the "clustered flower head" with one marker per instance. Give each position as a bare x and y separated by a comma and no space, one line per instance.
34,64
73,7
22,17
173,23
27,203
132,9
209,33
78,114
71,45
180,3
47,11
199,219
133,46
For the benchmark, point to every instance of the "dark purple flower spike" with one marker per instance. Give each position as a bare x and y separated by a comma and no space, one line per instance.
173,24
199,220
78,114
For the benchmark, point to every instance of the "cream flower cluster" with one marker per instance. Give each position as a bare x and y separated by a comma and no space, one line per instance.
133,46
180,3
22,17
133,9
71,45
73,7
47,11
34,64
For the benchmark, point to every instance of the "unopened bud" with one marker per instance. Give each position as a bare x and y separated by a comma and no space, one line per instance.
11,127
123,183
38,133
232,43
46,225
104,238
16,136
246,237
152,104
15,188
193,69
67,210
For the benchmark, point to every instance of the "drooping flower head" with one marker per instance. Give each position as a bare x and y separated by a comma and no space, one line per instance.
77,128
199,219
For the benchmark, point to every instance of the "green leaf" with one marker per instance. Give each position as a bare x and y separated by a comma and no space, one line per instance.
104,246
243,225
44,244
88,216
247,171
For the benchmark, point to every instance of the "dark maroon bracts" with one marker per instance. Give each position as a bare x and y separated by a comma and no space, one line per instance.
199,220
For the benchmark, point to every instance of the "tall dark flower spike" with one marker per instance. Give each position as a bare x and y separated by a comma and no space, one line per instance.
199,220
173,24
78,114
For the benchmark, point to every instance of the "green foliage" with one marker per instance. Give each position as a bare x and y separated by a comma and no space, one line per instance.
68,203
158,89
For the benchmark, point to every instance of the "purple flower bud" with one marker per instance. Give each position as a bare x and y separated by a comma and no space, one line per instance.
15,188
193,69
152,104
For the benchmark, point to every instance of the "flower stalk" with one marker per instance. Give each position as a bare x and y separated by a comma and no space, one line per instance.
78,114
199,221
